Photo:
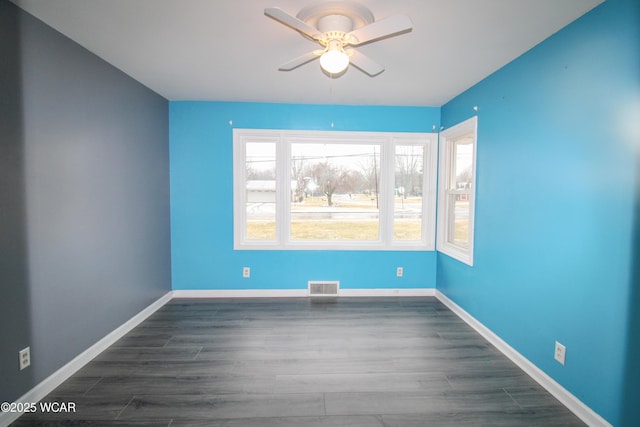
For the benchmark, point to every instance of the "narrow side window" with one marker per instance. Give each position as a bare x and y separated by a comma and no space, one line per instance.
456,190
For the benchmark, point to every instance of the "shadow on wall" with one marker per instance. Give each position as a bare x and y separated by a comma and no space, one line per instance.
630,415
15,332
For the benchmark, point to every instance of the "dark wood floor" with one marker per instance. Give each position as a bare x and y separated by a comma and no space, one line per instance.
298,362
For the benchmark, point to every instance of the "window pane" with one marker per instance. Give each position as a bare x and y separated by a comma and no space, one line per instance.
463,158
407,212
460,208
334,191
261,190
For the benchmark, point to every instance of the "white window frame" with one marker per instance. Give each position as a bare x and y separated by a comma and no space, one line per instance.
387,141
446,190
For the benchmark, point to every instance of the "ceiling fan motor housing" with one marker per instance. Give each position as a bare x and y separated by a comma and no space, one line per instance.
335,23
343,16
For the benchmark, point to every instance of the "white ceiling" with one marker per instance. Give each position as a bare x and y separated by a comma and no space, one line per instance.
230,51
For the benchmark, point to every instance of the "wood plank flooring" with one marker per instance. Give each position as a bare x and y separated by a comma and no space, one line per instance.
298,362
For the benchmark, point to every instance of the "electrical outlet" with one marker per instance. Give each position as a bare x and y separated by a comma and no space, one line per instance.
560,353
25,358
246,272
399,271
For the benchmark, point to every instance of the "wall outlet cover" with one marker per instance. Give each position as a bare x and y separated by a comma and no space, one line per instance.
560,353
24,356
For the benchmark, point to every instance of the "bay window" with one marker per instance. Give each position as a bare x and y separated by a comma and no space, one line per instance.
334,190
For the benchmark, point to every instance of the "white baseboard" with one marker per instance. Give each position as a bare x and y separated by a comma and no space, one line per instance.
301,293
61,375
242,293
395,292
582,411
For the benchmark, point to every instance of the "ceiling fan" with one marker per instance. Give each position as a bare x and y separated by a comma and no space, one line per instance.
336,26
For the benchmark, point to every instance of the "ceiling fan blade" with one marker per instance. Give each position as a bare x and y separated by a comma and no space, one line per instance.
301,60
379,29
364,63
293,22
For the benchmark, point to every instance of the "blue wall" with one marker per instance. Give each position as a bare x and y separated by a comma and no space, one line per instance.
555,204
202,200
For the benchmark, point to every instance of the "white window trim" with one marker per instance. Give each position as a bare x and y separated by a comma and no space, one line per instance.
387,141
447,138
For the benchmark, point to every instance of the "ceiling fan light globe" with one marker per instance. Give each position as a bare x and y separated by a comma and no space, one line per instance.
334,61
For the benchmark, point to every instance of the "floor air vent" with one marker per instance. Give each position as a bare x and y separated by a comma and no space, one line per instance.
324,289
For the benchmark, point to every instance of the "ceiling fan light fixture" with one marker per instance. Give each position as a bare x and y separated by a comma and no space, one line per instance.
334,60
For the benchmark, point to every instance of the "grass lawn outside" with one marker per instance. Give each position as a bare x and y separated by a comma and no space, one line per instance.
346,226
335,230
